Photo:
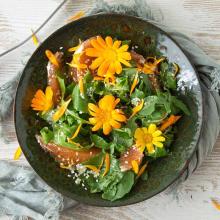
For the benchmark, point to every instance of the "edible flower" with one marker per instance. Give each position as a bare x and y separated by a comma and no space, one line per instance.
143,168
60,111
52,58
108,57
107,164
170,121
134,84
105,115
76,16
43,102
135,166
76,62
148,138
137,108
81,87
18,153
150,66
92,167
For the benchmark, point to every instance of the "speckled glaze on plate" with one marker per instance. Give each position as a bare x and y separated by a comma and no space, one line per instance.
150,41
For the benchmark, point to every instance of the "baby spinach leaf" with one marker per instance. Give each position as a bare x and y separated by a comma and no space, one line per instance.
121,189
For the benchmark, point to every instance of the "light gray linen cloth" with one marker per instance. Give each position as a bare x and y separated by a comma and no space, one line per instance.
23,194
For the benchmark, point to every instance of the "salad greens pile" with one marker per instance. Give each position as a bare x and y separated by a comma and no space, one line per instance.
123,153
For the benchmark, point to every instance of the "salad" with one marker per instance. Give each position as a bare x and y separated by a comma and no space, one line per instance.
109,113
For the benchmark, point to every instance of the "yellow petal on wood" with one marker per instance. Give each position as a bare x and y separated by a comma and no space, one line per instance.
216,204
60,111
135,166
18,153
76,16
137,108
76,132
134,84
34,38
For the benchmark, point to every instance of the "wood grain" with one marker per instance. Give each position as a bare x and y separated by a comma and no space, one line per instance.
198,19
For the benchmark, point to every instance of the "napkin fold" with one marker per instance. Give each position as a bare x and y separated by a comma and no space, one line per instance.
23,194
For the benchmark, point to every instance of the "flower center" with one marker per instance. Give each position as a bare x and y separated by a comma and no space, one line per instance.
110,54
148,138
105,116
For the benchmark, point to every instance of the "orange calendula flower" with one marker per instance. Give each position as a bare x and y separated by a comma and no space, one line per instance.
60,111
43,102
141,171
150,67
52,58
109,57
76,62
148,138
105,115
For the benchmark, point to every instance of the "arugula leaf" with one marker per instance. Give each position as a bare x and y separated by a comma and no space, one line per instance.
122,139
46,134
179,104
99,141
62,86
80,103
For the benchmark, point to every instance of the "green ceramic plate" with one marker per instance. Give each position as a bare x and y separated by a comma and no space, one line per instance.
150,41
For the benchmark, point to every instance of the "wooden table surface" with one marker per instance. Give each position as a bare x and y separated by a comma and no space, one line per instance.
198,19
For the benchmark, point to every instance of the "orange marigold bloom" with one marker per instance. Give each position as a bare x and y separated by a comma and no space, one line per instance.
109,56
150,67
105,115
43,102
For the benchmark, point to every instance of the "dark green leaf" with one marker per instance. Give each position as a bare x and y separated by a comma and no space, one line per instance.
80,103
95,161
149,105
179,104
159,152
62,86
100,142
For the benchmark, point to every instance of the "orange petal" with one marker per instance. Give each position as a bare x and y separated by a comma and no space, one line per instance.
123,48
134,84
125,55
109,41
93,107
102,70
114,123
81,86
93,168
118,117
96,45
101,41
107,102
51,57
92,52
97,126
111,68
107,164
135,166
60,111
106,128
137,108
76,16
143,168
76,132
126,63
116,44
118,67
96,63
170,121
